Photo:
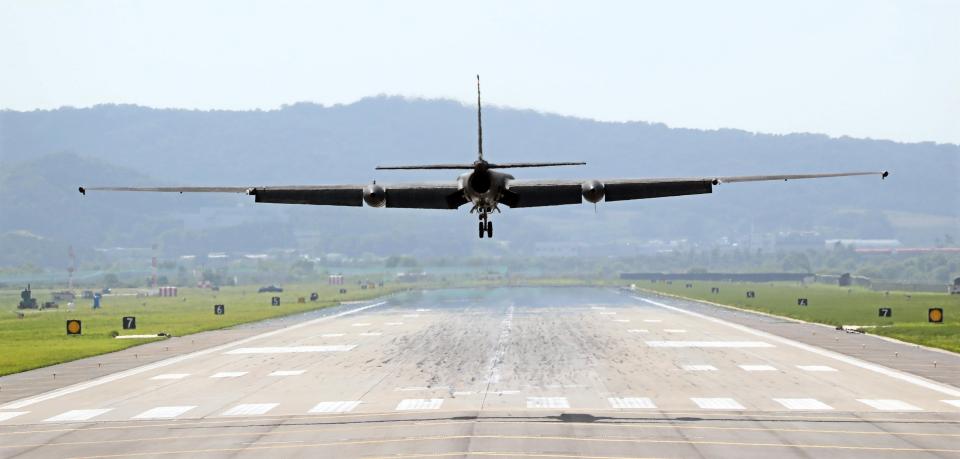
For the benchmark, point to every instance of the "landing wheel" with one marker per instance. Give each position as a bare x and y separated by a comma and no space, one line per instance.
490,229
482,230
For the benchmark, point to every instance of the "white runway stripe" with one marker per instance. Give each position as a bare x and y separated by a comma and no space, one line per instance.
411,316
955,403
292,349
287,373
717,403
888,405
331,335
250,409
345,406
608,313
229,374
371,334
757,368
361,324
394,323
802,404
77,415
423,310
637,330
547,402
699,368
623,321
420,404
164,412
631,403
816,368
674,330
652,321
732,344
5,415
171,376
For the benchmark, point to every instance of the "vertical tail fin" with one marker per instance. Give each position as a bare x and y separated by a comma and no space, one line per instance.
479,123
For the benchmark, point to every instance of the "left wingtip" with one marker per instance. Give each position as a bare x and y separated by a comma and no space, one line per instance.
885,174
83,191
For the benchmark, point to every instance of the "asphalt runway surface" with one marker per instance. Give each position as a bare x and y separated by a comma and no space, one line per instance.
522,372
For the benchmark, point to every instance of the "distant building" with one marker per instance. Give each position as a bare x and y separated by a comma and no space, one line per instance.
863,243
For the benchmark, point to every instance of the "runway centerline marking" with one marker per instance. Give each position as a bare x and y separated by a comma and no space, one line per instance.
292,349
360,324
287,373
331,335
757,368
906,377
821,368
77,415
229,374
419,404
674,330
699,368
731,344
173,360
171,376
393,324
164,412
889,405
637,330
250,409
802,404
718,403
371,334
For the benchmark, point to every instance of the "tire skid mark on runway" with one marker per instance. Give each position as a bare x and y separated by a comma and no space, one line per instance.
173,360
493,371
528,438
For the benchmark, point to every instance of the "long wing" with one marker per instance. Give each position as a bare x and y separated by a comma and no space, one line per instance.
403,195
536,193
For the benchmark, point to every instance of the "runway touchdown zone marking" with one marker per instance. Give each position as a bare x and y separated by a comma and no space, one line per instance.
344,406
164,412
955,403
171,376
802,404
548,402
77,415
420,404
720,403
631,403
250,409
888,405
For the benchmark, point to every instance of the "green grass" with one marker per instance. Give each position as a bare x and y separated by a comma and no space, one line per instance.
837,306
39,338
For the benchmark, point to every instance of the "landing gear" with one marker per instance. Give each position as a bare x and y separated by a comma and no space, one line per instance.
485,226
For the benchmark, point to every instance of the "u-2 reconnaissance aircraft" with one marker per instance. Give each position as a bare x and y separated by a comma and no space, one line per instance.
483,187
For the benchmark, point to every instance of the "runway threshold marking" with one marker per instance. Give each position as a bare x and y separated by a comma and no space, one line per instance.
802,404
699,368
171,376
717,403
287,373
173,360
906,377
631,403
955,403
419,404
345,406
354,428
77,415
229,374
889,405
250,409
448,438
548,402
12,414
164,412
821,368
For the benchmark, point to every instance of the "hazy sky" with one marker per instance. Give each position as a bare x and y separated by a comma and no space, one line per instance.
872,68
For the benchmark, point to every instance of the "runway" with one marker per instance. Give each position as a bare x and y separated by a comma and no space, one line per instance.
522,372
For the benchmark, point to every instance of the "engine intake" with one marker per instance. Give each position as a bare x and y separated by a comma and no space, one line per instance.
374,195
593,191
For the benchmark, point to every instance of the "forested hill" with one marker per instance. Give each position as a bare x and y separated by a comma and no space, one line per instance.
307,143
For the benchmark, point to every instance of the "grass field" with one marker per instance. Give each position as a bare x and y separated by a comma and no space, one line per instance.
837,306
39,338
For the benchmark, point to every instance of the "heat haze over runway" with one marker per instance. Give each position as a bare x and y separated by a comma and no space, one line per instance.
517,372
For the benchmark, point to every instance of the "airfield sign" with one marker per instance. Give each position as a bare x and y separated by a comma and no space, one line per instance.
129,323
219,309
275,301
74,327
935,315
886,312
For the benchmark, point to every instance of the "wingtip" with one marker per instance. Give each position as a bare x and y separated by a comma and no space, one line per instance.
885,174
83,191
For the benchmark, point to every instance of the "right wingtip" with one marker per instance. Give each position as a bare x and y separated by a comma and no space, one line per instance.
83,191
884,175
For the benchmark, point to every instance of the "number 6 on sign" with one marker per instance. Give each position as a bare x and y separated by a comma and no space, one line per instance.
218,309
